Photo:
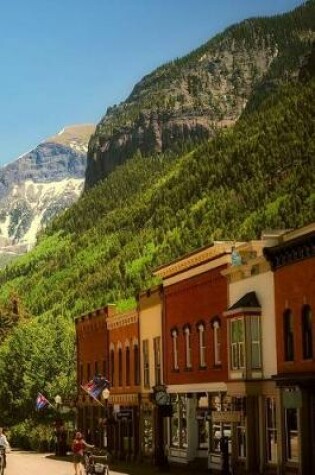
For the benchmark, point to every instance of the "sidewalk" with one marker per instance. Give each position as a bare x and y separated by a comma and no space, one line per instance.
145,468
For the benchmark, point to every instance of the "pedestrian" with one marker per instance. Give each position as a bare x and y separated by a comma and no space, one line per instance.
5,444
78,446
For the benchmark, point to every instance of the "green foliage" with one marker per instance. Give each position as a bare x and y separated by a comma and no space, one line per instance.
149,211
29,436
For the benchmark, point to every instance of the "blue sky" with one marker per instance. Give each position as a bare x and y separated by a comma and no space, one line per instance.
64,62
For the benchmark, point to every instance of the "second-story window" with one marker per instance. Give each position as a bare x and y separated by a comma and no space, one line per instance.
112,366
127,366
175,349
307,337
157,359
187,336
237,336
146,364
136,362
288,335
255,341
202,345
120,367
216,325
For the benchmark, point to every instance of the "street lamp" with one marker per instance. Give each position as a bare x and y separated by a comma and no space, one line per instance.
60,430
105,396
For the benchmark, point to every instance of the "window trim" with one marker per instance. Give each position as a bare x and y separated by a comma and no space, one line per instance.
188,349
174,334
201,327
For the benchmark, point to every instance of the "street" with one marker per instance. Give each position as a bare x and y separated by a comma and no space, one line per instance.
31,463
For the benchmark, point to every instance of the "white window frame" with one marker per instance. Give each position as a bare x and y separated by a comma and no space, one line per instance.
175,349
255,344
237,347
217,342
202,345
188,347
271,430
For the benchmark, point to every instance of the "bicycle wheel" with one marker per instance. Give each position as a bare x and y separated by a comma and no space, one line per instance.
1,465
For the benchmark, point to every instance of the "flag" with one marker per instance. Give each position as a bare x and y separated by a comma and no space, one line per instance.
41,402
96,386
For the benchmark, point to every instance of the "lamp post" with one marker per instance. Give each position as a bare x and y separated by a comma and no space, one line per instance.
105,396
58,424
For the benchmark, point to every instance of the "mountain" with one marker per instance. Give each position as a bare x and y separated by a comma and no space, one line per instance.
188,99
258,174
39,185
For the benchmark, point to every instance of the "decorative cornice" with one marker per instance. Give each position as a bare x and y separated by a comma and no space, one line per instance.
122,320
194,259
289,252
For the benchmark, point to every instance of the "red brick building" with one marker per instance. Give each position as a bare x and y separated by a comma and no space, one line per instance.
92,359
124,374
194,347
293,263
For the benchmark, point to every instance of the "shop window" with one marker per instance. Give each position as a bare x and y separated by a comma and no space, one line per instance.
202,345
220,403
120,367
187,336
307,337
237,336
157,359
136,362
146,363
288,335
202,423
216,325
175,349
127,366
112,366
178,422
240,405
255,342
291,434
271,430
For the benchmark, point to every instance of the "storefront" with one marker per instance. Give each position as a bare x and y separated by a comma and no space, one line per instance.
191,434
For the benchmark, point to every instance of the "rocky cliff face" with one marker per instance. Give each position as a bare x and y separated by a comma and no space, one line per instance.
188,99
40,184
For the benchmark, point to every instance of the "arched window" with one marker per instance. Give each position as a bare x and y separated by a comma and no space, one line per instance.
307,337
216,326
136,362
112,366
202,345
288,335
127,365
174,334
120,367
187,336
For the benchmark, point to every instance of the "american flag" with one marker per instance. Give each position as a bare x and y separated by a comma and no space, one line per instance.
41,402
96,386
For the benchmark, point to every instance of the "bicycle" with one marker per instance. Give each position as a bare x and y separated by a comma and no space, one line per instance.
95,464
2,459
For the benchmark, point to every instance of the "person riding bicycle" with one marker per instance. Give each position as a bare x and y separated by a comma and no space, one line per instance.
78,446
4,443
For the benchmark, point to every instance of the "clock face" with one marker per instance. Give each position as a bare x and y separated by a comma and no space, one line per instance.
161,398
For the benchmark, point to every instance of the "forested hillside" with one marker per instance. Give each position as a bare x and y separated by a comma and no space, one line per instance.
151,209
187,99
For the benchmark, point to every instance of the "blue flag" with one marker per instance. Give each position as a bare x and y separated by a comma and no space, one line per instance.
96,386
